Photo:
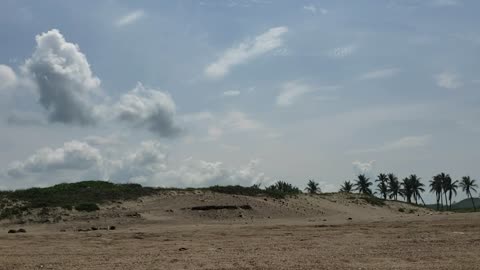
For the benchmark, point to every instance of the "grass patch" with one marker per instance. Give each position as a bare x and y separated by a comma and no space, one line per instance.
373,200
279,190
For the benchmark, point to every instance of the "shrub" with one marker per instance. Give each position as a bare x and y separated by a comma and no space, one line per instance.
401,209
87,207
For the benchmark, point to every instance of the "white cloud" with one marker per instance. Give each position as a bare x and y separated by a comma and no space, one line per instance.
245,51
363,167
63,79
72,155
147,164
379,74
239,121
148,108
231,93
8,78
292,91
448,80
342,52
402,143
130,18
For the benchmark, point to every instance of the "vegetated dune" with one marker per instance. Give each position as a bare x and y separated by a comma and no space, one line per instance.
205,207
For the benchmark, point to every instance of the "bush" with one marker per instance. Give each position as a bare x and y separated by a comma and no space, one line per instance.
87,207
283,187
401,209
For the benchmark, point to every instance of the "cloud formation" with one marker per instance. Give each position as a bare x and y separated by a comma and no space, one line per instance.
342,52
150,108
8,78
291,91
63,79
130,18
74,155
402,143
245,51
231,93
448,80
363,167
146,164
380,74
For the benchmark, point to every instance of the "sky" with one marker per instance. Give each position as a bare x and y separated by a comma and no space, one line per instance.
197,93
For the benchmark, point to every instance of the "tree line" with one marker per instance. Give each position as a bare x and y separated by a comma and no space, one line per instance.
410,188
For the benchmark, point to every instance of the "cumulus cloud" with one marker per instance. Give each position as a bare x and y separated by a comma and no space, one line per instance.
8,78
63,79
147,164
363,167
130,18
246,51
448,80
342,52
149,108
379,74
231,93
292,91
402,143
74,155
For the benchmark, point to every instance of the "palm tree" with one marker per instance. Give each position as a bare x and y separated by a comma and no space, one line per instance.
417,188
312,187
451,188
393,186
468,185
446,180
347,187
436,186
382,185
362,184
407,189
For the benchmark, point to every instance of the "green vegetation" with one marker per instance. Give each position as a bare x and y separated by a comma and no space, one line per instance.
87,207
346,187
70,195
373,200
278,190
312,187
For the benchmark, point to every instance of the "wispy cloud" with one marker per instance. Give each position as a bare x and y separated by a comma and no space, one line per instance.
231,93
379,74
448,80
246,51
363,167
342,52
130,18
445,3
402,143
291,91
313,9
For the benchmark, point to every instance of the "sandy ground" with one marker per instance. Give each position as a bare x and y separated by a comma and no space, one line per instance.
163,236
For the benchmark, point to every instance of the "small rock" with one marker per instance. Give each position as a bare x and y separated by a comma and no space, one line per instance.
349,218
182,249
93,228
12,231
111,228
21,230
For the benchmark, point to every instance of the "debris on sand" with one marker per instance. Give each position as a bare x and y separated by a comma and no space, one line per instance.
21,230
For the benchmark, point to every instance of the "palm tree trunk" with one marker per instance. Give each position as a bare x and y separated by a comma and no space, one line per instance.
421,199
473,202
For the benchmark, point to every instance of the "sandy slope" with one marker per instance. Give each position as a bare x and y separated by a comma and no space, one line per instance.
308,232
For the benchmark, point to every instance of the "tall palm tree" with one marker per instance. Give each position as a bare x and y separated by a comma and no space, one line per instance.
468,185
417,188
362,184
393,186
407,189
312,187
347,187
382,185
436,187
451,188
446,180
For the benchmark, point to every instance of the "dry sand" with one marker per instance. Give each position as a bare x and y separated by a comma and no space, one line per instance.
308,232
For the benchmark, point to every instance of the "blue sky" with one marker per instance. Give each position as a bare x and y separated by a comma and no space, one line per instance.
193,93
